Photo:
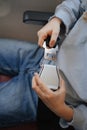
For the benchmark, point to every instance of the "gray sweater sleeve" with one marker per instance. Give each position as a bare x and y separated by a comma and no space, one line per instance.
79,121
80,118
68,12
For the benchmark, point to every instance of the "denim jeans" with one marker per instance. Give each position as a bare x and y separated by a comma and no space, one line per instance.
18,101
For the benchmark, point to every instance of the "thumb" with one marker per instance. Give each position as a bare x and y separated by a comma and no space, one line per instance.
54,37
61,83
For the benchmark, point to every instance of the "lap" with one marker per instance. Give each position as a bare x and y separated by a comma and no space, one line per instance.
18,55
18,102
19,60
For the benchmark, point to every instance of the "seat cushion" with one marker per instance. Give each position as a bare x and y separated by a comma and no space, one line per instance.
4,78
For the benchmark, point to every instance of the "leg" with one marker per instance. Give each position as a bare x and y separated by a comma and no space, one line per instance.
14,56
18,102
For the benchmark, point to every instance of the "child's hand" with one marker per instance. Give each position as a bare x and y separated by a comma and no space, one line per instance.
52,29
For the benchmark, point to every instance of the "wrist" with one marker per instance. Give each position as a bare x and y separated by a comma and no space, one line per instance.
58,20
66,112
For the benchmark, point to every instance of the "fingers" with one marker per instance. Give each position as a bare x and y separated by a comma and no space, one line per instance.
40,88
54,37
52,29
41,38
35,86
42,35
61,83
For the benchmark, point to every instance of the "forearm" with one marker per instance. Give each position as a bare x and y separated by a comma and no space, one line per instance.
66,112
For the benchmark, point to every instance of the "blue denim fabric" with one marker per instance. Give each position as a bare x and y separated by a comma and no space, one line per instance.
18,102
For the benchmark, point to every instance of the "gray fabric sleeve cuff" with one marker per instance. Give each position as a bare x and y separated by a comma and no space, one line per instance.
67,18
79,121
68,12
80,118
63,123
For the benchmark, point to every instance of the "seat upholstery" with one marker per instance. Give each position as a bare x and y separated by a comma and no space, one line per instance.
25,126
